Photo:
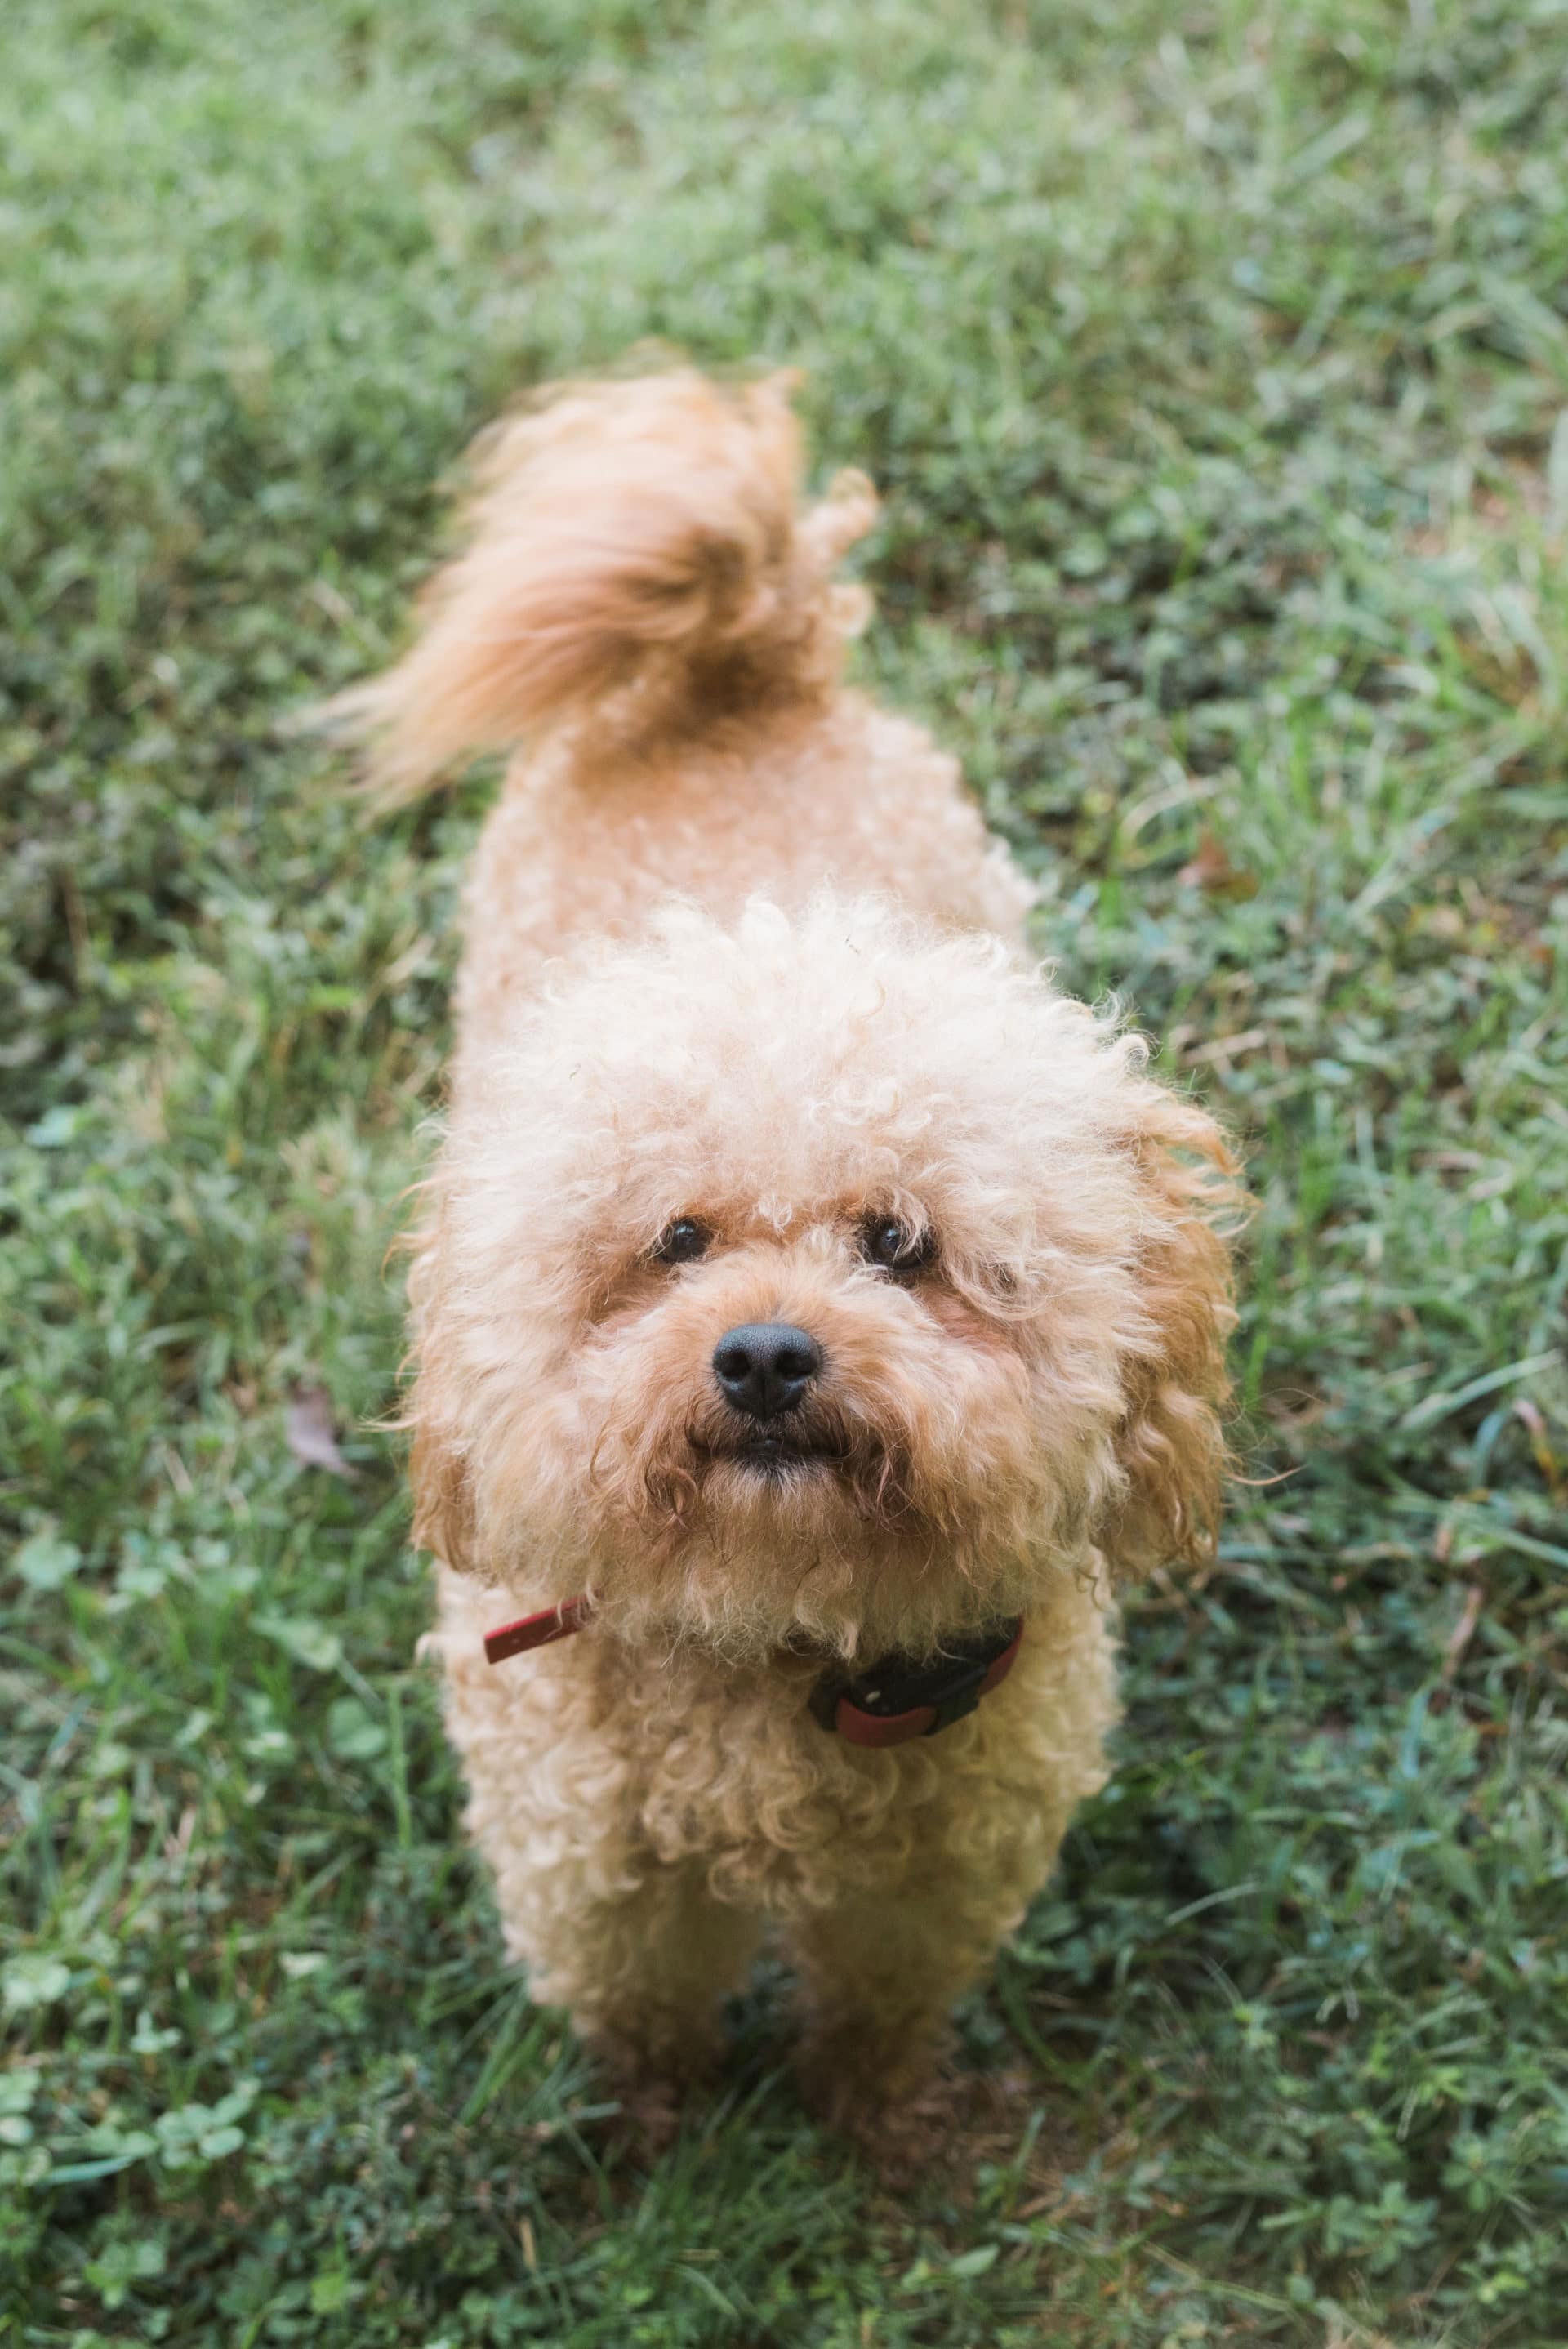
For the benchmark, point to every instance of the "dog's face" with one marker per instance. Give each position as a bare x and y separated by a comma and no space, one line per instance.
816,1277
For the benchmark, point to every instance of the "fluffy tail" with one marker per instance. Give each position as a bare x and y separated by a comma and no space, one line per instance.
643,536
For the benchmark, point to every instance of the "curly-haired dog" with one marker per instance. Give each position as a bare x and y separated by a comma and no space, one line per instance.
814,1306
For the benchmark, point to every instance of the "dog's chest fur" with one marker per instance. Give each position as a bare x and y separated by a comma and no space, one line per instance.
607,1765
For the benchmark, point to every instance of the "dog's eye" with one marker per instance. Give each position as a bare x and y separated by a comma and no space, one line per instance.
685,1240
886,1241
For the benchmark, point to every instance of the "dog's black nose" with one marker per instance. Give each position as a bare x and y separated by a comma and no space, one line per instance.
765,1367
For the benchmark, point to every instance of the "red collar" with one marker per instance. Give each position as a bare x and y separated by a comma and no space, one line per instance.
538,1630
899,1697
892,1701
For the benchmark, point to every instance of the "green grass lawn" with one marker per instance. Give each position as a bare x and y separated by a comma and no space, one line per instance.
1213,358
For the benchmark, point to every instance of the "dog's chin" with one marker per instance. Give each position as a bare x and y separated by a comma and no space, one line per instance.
775,1487
785,1484
747,1538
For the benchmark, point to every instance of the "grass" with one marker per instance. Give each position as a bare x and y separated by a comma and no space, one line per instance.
1214,360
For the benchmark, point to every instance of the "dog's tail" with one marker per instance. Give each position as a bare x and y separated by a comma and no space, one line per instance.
636,545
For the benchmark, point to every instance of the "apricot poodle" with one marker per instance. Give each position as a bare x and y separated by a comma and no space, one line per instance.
817,1313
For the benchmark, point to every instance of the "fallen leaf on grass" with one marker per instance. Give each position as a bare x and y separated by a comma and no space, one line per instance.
310,1432
1212,872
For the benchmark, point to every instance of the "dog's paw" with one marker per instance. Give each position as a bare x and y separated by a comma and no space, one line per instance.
895,2105
651,2109
653,2086
916,2115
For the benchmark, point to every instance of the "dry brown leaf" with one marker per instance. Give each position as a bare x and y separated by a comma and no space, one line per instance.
1212,872
312,1432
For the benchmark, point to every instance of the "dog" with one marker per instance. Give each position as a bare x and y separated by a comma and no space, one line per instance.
817,1315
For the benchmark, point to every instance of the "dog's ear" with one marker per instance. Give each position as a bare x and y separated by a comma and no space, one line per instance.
1170,1444
439,1478
443,1497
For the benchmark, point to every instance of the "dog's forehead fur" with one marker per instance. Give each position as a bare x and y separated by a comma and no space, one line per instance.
792,1065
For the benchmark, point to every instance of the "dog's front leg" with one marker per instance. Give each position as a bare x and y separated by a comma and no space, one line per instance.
642,1971
880,1977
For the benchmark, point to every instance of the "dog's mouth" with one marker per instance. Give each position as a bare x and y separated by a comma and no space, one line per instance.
774,1448
799,1456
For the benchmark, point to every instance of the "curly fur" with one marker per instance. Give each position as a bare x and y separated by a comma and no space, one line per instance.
737,949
